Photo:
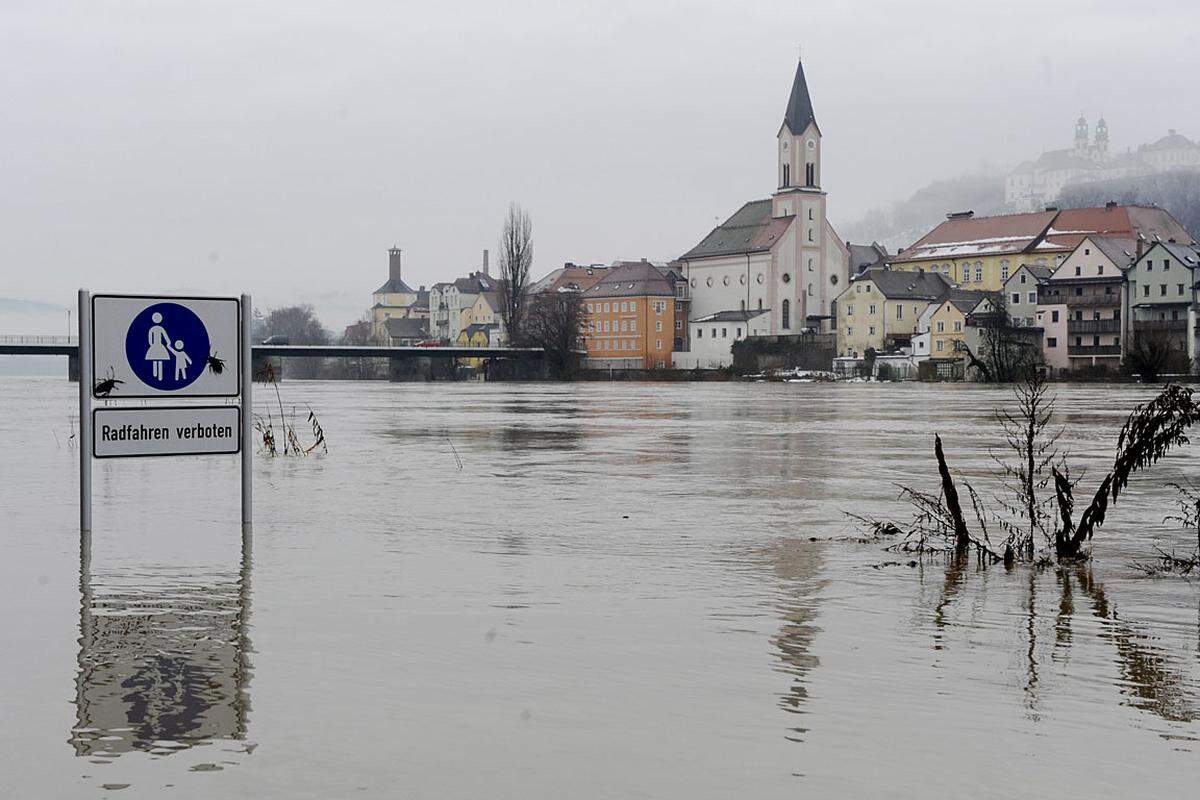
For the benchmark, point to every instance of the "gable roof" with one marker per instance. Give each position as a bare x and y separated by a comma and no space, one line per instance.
904,285
864,256
962,237
799,114
965,300
1040,232
1188,254
732,316
634,279
407,328
1038,272
475,283
568,277
1116,249
751,229
1171,141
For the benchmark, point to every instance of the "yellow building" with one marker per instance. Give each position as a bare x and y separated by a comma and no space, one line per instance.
949,324
396,300
880,309
478,335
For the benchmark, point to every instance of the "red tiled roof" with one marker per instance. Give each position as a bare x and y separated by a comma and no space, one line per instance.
1041,232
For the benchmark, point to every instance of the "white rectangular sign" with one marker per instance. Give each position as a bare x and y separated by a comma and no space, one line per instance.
174,431
146,346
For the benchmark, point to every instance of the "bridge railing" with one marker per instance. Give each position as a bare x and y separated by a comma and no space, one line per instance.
37,339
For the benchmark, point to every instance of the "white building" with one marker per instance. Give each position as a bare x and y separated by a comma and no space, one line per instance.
712,338
1034,184
779,255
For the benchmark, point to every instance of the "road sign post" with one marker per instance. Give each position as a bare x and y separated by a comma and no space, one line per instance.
85,412
153,347
247,417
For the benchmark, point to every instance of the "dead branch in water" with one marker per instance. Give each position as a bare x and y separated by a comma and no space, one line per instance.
1148,435
939,523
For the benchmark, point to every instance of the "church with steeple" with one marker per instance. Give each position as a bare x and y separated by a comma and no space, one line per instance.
774,267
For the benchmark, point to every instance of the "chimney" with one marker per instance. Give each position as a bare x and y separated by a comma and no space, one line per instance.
394,264
485,264
1140,248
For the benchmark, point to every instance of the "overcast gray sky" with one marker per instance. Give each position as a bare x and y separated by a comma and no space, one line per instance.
281,146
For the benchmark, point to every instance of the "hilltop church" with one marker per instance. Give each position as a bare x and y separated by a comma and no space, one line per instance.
775,266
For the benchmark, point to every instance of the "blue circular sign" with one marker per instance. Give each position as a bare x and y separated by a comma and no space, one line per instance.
167,346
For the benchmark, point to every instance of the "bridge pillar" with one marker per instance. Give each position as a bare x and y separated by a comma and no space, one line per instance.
73,369
405,369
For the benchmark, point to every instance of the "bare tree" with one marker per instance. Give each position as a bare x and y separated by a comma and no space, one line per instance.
301,326
1028,433
1153,353
1007,352
516,256
555,324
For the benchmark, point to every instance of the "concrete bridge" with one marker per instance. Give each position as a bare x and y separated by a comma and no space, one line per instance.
398,357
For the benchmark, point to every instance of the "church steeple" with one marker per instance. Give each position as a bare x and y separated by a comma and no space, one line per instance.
799,145
799,114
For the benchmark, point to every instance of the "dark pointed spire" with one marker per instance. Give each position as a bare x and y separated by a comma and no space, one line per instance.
799,108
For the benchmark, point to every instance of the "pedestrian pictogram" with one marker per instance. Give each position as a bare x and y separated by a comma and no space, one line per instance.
167,346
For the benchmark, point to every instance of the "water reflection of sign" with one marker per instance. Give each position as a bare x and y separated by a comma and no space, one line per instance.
162,663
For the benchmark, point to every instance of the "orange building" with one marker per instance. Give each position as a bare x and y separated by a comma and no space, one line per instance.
630,317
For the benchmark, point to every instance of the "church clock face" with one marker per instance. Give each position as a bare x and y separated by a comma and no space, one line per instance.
812,144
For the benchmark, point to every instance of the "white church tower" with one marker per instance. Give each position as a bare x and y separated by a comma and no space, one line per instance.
775,266
799,141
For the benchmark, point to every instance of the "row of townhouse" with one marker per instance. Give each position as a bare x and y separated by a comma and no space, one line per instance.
1107,295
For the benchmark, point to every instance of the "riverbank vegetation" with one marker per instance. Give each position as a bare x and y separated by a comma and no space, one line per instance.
1034,517
284,440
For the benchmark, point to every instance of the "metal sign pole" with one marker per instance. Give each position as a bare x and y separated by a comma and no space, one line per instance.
86,381
247,417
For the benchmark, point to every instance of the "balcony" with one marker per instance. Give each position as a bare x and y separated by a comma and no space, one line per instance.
1088,300
1180,325
1093,326
1094,350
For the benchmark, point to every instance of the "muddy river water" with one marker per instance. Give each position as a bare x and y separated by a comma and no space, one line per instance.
583,590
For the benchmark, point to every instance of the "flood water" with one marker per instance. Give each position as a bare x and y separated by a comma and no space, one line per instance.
586,590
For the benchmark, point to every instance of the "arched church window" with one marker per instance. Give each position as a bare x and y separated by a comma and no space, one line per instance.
787,315
787,174
743,305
